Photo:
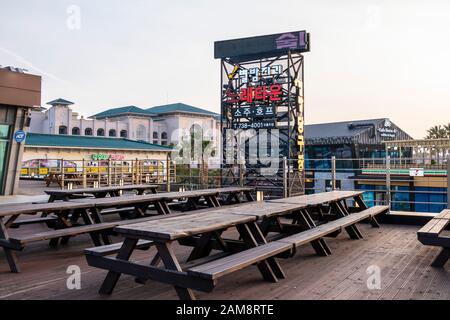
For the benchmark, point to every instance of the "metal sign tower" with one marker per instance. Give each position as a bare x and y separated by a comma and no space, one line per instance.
262,104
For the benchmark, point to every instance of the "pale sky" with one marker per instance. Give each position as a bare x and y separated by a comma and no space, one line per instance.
368,59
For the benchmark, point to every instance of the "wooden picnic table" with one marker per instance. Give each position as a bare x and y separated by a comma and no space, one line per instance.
63,217
164,232
61,212
56,177
432,234
113,191
203,232
337,202
161,200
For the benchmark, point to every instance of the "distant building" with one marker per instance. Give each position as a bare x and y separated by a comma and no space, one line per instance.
352,143
157,125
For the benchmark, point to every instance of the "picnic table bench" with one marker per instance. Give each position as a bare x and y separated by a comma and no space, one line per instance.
113,191
430,235
161,201
203,231
63,217
201,274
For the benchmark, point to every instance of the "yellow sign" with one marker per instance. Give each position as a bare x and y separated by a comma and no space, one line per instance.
23,171
43,171
300,126
233,73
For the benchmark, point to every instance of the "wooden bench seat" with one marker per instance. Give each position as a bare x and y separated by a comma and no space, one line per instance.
115,247
331,227
20,241
48,219
237,261
430,235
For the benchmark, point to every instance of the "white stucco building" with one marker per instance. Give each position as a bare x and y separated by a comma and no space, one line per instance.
158,125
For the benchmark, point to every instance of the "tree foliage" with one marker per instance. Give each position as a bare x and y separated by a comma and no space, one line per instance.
438,132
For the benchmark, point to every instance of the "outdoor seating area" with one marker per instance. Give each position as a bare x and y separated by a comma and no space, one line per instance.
197,241
222,231
62,215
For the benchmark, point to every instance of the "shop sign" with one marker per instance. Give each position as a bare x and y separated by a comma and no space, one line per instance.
104,157
19,136
387,131
256,111
416,172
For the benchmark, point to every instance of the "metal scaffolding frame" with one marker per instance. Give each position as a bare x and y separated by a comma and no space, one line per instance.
289,120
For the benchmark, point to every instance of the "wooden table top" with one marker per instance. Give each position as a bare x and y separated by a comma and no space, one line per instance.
319,198
102,189
31,208
173,228
445,214
264,209
136,199
232,189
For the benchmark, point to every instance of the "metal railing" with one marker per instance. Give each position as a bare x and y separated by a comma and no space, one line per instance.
403,184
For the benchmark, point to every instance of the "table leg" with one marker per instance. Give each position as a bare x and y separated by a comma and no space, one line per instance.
442,258
305,221
161,207
360,202
97,217
362,205
171,262
229,199
264,267
112,277
88,220
204,247
210,202
248,196
9,254
260,239
352,230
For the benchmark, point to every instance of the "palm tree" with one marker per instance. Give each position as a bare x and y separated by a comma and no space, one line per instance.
437,132
447,129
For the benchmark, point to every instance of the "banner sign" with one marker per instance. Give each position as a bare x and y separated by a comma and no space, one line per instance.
105,157
263,46
253,112
261,124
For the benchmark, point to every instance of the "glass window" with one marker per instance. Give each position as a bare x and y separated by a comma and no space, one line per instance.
141,133
62,130
4,132
4,141
112,133
400,199
123,134
75,131
88,132
101,132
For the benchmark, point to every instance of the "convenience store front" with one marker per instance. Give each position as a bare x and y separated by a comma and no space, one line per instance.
19,92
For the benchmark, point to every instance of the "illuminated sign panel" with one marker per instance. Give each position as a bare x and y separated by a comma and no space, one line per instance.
279,43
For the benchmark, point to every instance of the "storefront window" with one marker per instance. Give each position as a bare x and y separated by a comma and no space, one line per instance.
4,140
430,199
400,199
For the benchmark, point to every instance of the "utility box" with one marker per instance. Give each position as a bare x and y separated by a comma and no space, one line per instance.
19,92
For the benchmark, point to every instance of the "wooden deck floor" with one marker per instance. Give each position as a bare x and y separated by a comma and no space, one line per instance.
404,262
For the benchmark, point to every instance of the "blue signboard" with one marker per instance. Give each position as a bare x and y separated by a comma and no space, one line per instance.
20,136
